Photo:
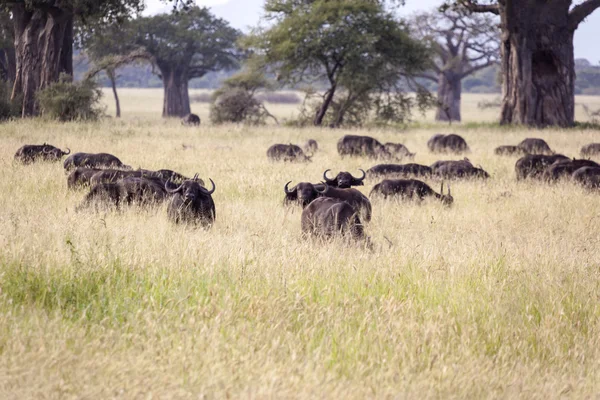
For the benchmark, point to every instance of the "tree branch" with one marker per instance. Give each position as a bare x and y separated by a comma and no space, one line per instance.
426,76
482,8
476,68
581,12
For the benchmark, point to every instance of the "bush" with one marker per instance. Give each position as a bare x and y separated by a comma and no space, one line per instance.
8,109
66,100
235,106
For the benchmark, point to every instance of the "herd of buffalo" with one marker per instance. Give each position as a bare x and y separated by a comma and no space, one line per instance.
330,207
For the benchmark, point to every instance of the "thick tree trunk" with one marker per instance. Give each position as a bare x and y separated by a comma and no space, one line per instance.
43,49
449,97
8,67
538,66
176,101
113,82
324,106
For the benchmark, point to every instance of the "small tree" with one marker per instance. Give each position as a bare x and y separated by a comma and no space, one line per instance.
354,47
463,44
66,100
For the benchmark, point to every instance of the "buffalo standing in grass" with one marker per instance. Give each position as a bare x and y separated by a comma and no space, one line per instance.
344,180
410,189
327,217
90,160
589,150
287,152
588,177
130,190
449,169
32,152
192,203
535,146
403,170
398,149
303,193
352,196
362,146
533,165
510,151
106,194
190,120
115,175
81,177
565,168
451,143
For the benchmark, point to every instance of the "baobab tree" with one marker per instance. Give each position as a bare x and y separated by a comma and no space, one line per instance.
462,44
537,59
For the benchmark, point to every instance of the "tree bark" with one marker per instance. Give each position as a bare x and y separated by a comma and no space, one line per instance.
449,96
538,66
113,82
324,106
176,101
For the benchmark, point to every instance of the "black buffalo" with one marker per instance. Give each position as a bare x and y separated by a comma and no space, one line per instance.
450,169
410,189
303,193
115,175
32,152
311,146
398,149
344,180
287,152
533,165
535,146
352,196
192,203
588,177
403,170
190,120
359,146
81,177
130,190
510,151
327,217
591,149
451,143
565,168
106,194
89,160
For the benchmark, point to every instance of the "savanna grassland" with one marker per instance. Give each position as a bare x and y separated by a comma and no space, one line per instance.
497,296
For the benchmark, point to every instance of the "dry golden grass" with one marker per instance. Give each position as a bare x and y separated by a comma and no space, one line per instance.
498,296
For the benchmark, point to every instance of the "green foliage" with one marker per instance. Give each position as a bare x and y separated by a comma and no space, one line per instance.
236,101
66,100
356,46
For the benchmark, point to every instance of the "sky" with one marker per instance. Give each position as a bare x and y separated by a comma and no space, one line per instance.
243,14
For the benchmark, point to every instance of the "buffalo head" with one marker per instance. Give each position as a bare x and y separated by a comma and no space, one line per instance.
344,180
303,193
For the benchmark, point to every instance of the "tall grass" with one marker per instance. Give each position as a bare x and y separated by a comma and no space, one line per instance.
494,297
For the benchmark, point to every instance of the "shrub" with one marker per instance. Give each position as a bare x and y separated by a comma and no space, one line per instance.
66,100
235,106
8,109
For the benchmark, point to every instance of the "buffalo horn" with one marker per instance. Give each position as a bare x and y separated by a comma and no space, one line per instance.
212,190
172,190
324,191
287,189
67,152
325,176
361,178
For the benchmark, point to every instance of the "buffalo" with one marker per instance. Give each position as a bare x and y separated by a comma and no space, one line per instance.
533,165
565,168
81,177
287,152
192,203
115,175
458,169
31,153
129,190
399,170
358,146
410,189
190,120
451,143
303,193
352,196
591,149
588,177
399,149
104,193
327,217
311,146
344,180
510,151
535,146
89,160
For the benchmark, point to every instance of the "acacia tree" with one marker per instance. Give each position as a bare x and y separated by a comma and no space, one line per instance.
538,65
355,47
185,45
463,44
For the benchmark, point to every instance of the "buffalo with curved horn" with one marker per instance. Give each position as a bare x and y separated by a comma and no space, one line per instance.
351,196
410,189
192,203
45,152
344,180
327,217
303,193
